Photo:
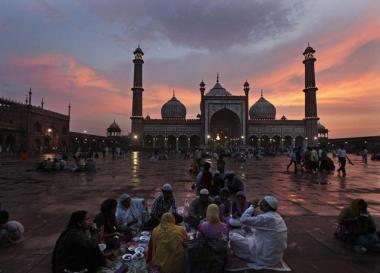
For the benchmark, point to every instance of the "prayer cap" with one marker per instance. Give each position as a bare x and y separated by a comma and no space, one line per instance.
271,201
167,187
204,192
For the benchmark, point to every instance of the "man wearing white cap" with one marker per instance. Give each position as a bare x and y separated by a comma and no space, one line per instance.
198,208
266,247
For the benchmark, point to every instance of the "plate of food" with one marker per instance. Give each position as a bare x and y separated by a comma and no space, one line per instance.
145,233
102,247
144,239
131,249
138,255
139,249
127,257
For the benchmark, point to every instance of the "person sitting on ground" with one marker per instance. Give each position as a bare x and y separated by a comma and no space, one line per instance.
204,178
234,183
217,183
162,204
198,208
166,250
113,236
267,245
358,226
224,204
11,232
130,213
75,250
215,233
240,205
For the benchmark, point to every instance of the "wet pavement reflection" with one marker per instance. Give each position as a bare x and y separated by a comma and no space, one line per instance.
310,203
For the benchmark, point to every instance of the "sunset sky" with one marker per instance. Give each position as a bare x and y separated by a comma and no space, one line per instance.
80,51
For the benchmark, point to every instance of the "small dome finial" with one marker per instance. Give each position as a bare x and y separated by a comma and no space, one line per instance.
217,77
261,92
308,44
173,93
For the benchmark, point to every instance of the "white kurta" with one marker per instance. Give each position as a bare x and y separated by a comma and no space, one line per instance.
266,247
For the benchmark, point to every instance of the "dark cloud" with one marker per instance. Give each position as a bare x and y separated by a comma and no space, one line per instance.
212,25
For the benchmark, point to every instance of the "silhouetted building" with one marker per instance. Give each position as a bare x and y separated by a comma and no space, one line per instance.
24,126
225,118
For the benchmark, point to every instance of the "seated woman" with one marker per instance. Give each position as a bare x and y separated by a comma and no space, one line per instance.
113,236
166,249
357,226
238,207
130,213
224,204
75,250
11,232
216,234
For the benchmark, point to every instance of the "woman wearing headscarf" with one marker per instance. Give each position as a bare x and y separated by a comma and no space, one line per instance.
166,250
358,226
75,250
213,228
107,218
240,205
130,213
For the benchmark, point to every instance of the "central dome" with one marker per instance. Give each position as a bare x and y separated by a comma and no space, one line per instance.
262,109
173,109
218,89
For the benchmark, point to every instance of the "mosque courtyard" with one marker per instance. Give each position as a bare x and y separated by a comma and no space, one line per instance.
310,204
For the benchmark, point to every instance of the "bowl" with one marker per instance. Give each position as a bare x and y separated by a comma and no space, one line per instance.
145,233
138,255
127,257
102,247
139,249
131,249
144,238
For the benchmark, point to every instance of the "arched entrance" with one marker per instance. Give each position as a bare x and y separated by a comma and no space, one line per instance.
171,142
148,141
194,141
182,142
225,125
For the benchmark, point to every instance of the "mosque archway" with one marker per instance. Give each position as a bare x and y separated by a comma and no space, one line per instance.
225,125
171,142
288,142
264,142
148,141
182,142
299,141
160,142
10,142
253,141
194,141
276,143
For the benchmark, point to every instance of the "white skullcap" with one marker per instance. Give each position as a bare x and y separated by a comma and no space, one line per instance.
271,201
167,187
204,192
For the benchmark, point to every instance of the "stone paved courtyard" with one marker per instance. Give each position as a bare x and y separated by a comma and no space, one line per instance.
309,204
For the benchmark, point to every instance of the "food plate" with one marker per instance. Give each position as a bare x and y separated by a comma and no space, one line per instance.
144,238
102,247
138,255
127,257
139,249
131,249
145,233
135,239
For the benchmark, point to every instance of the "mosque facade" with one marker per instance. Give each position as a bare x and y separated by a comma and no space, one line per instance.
225,118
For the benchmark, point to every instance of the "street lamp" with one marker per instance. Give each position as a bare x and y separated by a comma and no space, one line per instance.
135,136
208,136
49,130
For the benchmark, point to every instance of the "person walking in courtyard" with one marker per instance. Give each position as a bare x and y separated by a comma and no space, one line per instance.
342,157
292,157
365,155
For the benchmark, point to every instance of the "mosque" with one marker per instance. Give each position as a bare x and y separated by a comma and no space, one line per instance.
225,119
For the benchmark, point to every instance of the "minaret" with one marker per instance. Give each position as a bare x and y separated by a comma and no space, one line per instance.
42,103
30,96
246,92
69,110
311,116
202,89
137,102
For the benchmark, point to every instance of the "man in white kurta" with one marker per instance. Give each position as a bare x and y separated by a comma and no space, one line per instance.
265,248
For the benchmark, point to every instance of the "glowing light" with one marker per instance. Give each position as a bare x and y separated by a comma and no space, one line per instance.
135,136
208,136
217,137
49,130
